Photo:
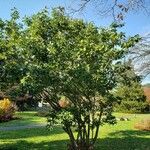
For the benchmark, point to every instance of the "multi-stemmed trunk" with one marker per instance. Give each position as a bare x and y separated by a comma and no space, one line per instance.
86,135
87,123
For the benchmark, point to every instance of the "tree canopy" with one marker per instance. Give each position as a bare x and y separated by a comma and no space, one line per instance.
72,64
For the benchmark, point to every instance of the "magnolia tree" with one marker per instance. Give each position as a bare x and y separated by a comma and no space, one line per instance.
71,64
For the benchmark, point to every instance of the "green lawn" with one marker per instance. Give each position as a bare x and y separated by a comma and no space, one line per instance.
122,136
26,118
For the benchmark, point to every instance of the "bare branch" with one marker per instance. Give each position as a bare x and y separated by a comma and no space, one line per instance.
116,8
140,54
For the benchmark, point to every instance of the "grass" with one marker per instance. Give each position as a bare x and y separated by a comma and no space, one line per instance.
26,118
122,136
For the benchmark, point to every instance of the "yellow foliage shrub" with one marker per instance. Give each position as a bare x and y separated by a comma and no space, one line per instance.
7,110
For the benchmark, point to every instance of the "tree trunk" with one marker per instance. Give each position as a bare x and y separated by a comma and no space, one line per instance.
81,146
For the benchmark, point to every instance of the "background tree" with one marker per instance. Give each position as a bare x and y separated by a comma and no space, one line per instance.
140,54
130,91
116,8
12,66
73,65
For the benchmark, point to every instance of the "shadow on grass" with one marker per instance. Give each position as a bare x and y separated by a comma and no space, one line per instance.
129,133
122,140
123,144
27,133
24,145
125,140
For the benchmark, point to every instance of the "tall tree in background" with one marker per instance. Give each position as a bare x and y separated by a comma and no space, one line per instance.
12,64
54,56
11,61
140,54
130,91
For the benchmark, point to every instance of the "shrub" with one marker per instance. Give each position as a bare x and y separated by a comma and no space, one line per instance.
131,107
143,125
64,102
43,111
7,110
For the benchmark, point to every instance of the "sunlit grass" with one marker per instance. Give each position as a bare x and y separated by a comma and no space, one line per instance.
122,136
24,118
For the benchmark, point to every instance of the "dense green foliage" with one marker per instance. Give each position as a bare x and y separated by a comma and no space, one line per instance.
132,98
54,56
130,91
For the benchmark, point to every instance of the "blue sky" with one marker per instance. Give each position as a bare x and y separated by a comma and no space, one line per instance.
136,23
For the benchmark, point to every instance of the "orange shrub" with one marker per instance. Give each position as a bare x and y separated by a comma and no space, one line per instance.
143,125
64,102
7,110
